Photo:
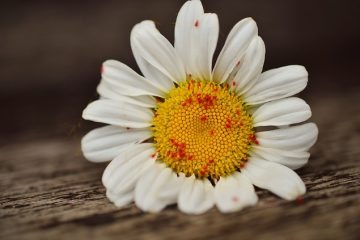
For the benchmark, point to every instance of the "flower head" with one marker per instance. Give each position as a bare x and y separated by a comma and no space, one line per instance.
189,133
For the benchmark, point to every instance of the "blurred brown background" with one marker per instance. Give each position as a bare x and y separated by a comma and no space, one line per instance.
50,51
50,57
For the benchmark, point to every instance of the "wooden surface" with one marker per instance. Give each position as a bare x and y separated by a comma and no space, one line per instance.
49,191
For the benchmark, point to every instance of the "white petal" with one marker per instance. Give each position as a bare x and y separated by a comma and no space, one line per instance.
250,66
121,175
125,81
196,196
128,154
108,91
156,57
274,177
234,193
196,36
120,200
170,191
118,113
235,46
105,143
282,112
278,83
291,159
158,188
145,197
204,40
189,13
296,138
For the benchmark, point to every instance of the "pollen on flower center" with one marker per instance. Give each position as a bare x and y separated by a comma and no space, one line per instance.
203,128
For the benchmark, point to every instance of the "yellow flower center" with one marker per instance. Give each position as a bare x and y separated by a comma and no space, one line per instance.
203,128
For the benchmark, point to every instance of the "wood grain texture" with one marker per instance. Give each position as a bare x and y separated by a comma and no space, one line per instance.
49,191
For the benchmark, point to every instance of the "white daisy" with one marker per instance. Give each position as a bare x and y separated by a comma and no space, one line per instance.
187,132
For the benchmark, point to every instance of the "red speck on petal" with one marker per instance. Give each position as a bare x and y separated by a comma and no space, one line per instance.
300,200
235,199
102,69
197,23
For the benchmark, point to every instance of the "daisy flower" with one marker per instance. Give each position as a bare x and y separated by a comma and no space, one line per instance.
199,136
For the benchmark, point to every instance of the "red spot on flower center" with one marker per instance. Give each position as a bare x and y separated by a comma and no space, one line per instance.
187,102
228,123
204,118
253,139
179,152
